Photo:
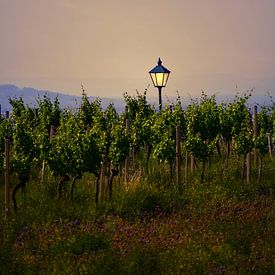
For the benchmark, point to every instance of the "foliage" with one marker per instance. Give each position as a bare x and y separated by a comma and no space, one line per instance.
74,150
203,126
23,149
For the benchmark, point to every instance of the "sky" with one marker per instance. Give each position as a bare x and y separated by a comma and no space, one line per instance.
109,46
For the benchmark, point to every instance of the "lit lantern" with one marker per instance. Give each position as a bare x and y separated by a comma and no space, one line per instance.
159,76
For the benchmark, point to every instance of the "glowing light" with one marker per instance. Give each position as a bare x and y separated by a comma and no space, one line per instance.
159,75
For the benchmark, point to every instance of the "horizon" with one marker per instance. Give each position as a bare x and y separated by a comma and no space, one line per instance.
69,101
220,97
109,47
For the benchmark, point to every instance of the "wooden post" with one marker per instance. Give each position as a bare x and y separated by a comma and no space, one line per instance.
132,170
192,160
248,167
52,131
102,182
126,168
260,168
255,130
269,145
42,171
178,154
192,164
186,168
243,167
6,177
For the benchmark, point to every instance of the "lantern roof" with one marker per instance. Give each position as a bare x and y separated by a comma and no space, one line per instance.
159,68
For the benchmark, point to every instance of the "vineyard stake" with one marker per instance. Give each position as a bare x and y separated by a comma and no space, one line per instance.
127,129
192,164
6,171
255,130
243,167
269,145
102,185
260,168
52,131
178,154
42,171
248,167
132,170
186,168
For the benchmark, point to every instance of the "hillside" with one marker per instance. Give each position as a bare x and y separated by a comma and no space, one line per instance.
30,95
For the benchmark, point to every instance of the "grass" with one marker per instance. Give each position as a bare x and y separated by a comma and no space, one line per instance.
223,226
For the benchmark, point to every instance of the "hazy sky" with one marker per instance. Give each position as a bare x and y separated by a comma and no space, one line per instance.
110,46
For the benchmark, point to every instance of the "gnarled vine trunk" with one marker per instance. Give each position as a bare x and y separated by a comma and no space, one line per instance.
148,154
21,185
227,151
114,172
60,184
97,187
78,177
218,148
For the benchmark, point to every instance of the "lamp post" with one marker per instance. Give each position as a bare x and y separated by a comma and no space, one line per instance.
159,76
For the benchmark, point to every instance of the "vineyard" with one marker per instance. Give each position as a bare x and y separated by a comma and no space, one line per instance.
140,192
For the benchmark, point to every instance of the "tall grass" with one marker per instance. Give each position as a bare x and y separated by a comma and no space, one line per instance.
151,226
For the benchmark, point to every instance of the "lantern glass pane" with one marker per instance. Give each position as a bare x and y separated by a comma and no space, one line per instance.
153,76
165,78
159,79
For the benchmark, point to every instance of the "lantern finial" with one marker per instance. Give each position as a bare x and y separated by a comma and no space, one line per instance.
159,62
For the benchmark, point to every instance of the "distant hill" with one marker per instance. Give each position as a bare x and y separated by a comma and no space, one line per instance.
31,95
